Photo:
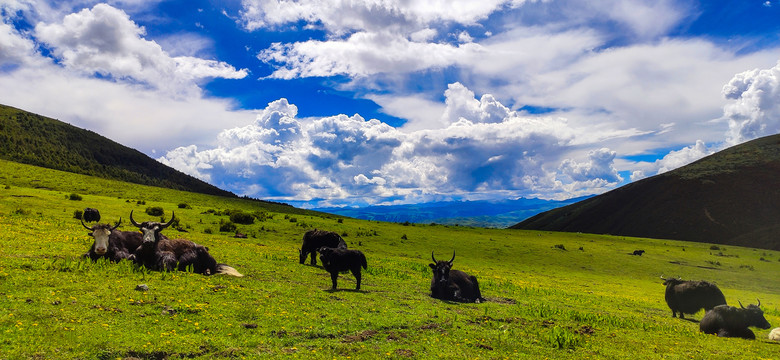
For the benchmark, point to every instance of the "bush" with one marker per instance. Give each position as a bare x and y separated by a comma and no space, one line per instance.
560,246
75,197
404,237
340,221
77,214
184,206
240,217
227,227
207,231
155,211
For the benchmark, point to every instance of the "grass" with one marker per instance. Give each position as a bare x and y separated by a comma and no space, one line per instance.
551,295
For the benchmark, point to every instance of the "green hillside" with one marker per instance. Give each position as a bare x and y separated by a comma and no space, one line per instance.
730,197
551,295
37,140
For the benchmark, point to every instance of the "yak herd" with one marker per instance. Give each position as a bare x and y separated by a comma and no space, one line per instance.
149,248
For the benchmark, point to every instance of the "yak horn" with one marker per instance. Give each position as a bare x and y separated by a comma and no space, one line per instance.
117,224
85,226
453,257
662,277
133,221
740,304
759,302
434,258
169,221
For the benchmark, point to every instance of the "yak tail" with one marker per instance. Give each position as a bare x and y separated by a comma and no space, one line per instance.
363,261
228,270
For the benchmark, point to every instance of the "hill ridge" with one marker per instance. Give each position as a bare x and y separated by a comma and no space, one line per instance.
37,140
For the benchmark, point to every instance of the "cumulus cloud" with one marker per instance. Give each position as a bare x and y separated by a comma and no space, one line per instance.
104,40
361,54
755,109
347,159
674,159
344,16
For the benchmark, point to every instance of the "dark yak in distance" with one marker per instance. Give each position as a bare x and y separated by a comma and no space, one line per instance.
111,243
730,321
688,297
157,252
315,239
456,285
336,260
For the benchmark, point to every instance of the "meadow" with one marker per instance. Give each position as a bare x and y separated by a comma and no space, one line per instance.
550,295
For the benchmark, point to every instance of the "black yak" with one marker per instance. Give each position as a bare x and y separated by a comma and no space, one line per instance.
315,239
336,260
157,252
730,321
111,243
688,297
454,285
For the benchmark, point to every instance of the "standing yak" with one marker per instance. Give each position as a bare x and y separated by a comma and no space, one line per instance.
315,239
336,260
730,321
688,297
454,285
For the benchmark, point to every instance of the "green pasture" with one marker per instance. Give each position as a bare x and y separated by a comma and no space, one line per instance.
550,295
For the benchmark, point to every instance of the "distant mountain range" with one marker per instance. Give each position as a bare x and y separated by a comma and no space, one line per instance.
731,197
37,140
496,214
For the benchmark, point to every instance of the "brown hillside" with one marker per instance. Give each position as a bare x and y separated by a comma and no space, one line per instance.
731,197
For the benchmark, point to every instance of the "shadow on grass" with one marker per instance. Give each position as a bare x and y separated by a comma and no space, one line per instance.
346,290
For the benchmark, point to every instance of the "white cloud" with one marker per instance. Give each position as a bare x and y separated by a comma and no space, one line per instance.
361,54
104,40
340,17
143,96
755,109
486,148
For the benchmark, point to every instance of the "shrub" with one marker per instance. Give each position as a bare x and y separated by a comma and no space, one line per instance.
714,247
77,214
20,211
141,202
262,215
240,217
292,220
155,211
560,246
184,206
340,221
404,237
227,226
208,231
74,197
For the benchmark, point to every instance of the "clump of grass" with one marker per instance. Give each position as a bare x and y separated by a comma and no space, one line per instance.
560,246
561,338
75,197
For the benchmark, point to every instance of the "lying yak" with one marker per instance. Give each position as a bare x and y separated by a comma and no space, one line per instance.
688,297
157,252
315,239
111,243
730,321
336,260
456,285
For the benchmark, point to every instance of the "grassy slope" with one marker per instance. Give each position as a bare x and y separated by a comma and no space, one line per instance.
597,302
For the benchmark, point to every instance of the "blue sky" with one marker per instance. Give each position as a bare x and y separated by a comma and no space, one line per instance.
354,103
